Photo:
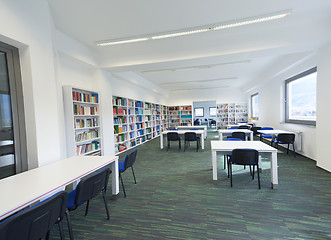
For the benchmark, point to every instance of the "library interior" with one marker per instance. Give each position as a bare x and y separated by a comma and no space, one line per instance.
120,121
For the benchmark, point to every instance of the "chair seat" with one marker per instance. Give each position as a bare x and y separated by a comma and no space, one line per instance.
121,167
71,200
266,136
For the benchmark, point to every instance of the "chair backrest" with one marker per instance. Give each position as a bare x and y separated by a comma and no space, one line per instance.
267,128
130,159
254,129
243,127
172,136
34,223
233,139
190,136
286,137
243,156
91,186
240,135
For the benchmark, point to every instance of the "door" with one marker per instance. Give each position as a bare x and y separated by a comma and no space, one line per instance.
12,124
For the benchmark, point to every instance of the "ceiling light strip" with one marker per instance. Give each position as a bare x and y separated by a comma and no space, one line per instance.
201,81
201,29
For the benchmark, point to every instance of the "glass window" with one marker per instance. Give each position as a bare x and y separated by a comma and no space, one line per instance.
300,98
255,105
212,112
198,112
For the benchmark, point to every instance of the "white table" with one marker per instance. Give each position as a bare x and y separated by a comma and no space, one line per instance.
236,125
228,132
274,132
24,189
226,147
182,132
202,127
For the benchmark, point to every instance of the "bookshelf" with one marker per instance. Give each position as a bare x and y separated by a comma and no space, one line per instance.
230,113
180,116
136,122
82,121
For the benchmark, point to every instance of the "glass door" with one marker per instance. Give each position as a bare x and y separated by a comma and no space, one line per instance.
12,128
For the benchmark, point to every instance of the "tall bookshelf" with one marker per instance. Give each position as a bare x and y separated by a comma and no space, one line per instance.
231,113
136,122
180,116
186,115
174,116
82,120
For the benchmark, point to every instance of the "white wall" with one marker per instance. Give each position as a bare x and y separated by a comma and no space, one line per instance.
271,100
323,132
27,25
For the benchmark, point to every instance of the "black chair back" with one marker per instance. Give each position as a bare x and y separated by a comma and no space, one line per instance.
35,222
243,127
286,137
172,136
130,159
245,156
240,135
255,129
90,186
190,136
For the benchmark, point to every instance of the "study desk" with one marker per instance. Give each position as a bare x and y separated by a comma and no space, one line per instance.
236,125
182,132
21,190
228,132
200,127
226,147
274,132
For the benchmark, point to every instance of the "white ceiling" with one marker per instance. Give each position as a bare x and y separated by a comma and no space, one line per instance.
217,59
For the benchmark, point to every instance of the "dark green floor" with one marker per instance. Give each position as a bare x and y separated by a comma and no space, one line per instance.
176,198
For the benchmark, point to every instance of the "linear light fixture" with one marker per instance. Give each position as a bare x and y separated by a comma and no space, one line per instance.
196,67
201,29
200,88
201,81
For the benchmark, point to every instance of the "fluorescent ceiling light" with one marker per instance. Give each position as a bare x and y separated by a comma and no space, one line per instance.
196,67
201,81
200,88
201,29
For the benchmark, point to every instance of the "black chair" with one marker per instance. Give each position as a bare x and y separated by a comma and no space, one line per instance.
87,189
240,135
190,137
245,157
266,135
213,122
255,130
173,137
285,138
35,223
243,127
130,158
196,122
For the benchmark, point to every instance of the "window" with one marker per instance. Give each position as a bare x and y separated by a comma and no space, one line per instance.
255,106
300,98
198,112
212,112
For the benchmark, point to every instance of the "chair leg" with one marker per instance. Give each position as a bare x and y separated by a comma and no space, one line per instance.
122,184
253,170
180,145
134,177
185,145
224,158
69,225
106,206
168,145
61,229
86,209
230,167
228,163
288,147
258,176
293,150
197,145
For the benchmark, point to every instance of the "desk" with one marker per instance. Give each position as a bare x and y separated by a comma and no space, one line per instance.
236,125
24,189
273,132
194,127
228,132
226,147
182,132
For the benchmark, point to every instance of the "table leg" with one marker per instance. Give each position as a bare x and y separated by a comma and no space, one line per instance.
214,163
220,136
274,170
251,136
115,177
202,142
161,141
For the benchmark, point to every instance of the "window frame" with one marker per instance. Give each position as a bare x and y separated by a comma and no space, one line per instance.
210,114
252,96
289,80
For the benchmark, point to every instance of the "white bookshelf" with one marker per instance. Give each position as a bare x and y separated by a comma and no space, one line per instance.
82,121
231,113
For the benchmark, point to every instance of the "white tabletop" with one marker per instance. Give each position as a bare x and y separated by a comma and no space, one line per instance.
204,127
182,132
273,132
21,190
222,132
230,145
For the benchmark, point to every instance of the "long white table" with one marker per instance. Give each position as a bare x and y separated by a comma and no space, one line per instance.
274,132
24,189
228,132
226,147
236,125
202,127
182,132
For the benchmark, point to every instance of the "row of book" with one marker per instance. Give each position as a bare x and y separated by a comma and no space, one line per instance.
186,108
85,97
120,120
119,111
120,129
84,110
121,138
139,104
86,148
87,135
86,123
